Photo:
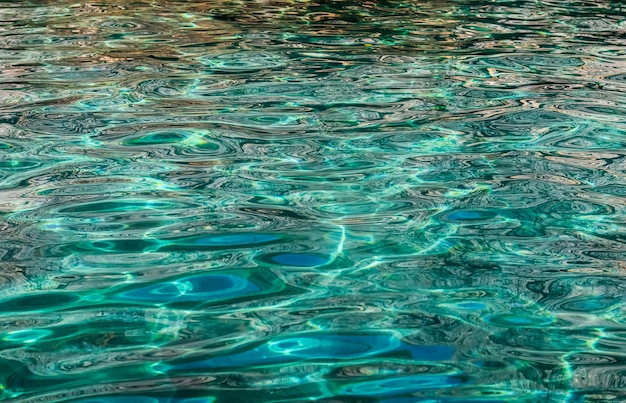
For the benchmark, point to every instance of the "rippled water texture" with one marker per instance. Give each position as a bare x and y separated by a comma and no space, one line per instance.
338,201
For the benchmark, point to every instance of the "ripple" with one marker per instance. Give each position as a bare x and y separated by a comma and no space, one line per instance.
320,346
401,385
27,336
301,260
470,215
118,206
144,399
229,240
196,288
41,302
517,320
292,201
587,304
242,62
19,165
576,208
205,289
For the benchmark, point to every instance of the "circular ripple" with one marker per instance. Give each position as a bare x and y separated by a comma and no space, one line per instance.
588,304
196,288
322,346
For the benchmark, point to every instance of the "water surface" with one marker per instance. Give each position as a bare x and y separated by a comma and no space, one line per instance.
337,201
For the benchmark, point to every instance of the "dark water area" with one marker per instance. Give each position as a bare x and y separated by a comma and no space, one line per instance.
333,201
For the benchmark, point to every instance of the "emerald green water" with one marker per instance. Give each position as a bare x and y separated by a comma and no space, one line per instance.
334,201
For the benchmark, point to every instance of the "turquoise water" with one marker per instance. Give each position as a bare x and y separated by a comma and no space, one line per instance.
334,201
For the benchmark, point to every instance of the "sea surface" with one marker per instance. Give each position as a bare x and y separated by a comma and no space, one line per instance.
333,201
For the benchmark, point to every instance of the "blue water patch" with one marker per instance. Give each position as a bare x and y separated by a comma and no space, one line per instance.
471,305
517,320
201,288
300,260
235,239
470,215
323,347
429,352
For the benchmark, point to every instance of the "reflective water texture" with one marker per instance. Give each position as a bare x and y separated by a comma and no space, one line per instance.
338,201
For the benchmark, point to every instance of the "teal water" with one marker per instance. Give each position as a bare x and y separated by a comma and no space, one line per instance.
334,201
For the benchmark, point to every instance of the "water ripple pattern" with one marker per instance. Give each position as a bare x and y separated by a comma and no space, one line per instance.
334,201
